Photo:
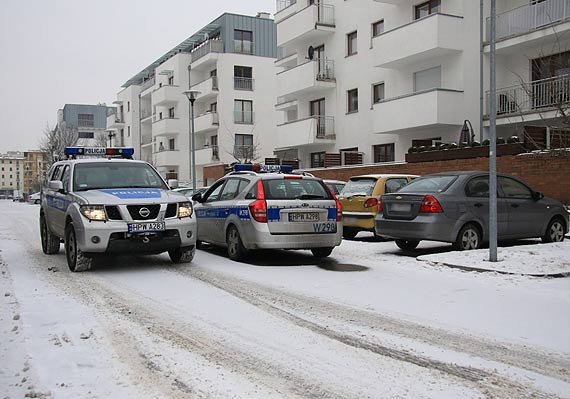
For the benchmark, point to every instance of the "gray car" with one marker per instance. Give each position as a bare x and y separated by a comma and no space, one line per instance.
454,207
247,211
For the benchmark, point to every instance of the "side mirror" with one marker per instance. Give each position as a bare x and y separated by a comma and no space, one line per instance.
537,196
197,197
56,185
173,183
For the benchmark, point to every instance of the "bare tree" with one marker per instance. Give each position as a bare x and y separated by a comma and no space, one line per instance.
244,154
55,140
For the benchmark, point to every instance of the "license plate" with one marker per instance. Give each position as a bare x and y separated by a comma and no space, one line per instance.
400,207
143,227
304,217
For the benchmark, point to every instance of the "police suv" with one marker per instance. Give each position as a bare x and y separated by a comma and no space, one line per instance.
248,209
110,205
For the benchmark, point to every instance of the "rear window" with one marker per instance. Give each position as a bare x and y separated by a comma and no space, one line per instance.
359,187
434,184
287,189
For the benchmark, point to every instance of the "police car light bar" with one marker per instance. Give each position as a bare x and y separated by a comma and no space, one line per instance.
263,168
125,152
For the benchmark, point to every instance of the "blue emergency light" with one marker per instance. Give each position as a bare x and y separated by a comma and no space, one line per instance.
126,152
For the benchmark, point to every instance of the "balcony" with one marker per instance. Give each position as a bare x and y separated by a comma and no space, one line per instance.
309,131
166,126
208,88
173,158
206,54
434,108
207,155
147,84
526,25
542,98
310,77
166,95
244,117
440,34
304,23
206,122
115,121
145,115
243,83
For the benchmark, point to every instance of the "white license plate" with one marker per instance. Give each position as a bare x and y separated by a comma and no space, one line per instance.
400,207
304,217
144,227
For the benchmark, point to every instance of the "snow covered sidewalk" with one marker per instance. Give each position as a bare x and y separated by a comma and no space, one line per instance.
532,260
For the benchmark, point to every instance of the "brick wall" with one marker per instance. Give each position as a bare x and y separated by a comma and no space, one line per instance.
548,173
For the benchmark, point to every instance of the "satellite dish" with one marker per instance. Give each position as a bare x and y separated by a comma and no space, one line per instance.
311,52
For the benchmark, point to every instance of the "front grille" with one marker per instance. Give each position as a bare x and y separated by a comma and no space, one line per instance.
113,212
171,210
134,211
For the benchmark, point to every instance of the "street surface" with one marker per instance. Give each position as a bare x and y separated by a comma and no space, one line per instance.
369,322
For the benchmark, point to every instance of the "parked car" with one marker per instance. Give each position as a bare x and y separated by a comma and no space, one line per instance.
335,185
454,207
359,199
34,198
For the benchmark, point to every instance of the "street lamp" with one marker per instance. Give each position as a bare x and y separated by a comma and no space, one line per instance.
192,95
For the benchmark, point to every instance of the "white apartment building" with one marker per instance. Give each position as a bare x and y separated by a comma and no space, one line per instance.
230,62
11,173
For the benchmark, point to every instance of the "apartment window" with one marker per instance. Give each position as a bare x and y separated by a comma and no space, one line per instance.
86,135
171,80
384,152
85,120
122,132
427,8
128,131
214,144
378,28
352,100
377,93
317,159
351,43
551,66
171,112
171,144
214,107
243,111
243,78
243,146
427,79
243,41
128,106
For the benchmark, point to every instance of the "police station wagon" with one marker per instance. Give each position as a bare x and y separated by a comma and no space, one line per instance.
112,206
246,210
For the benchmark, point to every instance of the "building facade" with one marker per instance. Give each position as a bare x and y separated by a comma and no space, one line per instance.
230,62
36,165
88,121
11,173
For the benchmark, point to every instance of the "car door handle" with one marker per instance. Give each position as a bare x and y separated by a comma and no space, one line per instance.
515,205
478,205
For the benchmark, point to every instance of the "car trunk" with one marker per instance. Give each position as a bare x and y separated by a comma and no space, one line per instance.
300,216
401,206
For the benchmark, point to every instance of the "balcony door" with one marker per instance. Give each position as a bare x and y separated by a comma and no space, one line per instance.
320,58
317,110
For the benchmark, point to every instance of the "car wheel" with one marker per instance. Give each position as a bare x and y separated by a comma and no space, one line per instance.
236,250
554,231
50,243
468,238
199,244
349,233
407,245
76,259
36,201
182,255
322,252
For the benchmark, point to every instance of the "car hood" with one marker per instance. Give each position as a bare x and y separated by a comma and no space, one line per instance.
120,196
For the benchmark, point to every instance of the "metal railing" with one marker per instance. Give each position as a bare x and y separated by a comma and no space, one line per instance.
243,47
532,96
530,17
215,153
211,46
325,14
325,69
245,117
147,83
323,126
243,151
243,83
145,113
283,4
214,82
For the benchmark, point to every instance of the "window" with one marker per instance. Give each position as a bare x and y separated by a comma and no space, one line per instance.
86,135
232,188
214,107
243,41
243,111
214,144
128,106
171,80
128,131
85,120
122,132
427,8
171,112
352,100
377,93
393,185
171,144
243,78
514,189
551,66
243,146
427,79
384,153
478,187
351,43
378,28
213,193
317,159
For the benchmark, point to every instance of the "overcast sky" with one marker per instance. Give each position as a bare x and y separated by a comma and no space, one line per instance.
55,52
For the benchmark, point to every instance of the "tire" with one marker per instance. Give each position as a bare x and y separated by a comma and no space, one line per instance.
76,259
349,233
407,245
469,237
322,252
199,244
182,255
50,243
36,201
555,231
236,250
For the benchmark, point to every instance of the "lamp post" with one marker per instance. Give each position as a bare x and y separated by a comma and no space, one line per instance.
192,95
111,135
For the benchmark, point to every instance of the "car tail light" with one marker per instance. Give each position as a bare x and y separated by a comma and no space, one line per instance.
430,205
258,208
292,177
371,202
379,206
338,204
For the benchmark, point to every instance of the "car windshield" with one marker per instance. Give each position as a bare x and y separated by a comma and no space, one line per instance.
357,187
94,176
433,184
284,189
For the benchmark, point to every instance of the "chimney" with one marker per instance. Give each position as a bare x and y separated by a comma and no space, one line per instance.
263,15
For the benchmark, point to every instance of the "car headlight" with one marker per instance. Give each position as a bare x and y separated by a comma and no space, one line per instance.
93,212
184,209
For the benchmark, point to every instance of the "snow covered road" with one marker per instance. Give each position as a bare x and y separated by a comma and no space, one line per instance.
368,323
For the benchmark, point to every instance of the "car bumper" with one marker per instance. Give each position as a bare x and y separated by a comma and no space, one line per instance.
359,220
257,236
434,227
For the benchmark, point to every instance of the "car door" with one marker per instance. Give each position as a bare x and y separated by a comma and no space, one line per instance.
525,214
207,212
477,204
60,201
226,206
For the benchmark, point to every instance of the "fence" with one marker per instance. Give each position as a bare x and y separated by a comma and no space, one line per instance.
243,83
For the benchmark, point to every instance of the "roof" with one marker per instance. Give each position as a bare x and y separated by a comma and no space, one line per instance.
382,176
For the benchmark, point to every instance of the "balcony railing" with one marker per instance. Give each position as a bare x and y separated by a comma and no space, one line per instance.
243,83
324,126
325,14
533,97
325,69
243,47
243,117
283,4
147,83
244,151
530,17
214,82
145,113
211,46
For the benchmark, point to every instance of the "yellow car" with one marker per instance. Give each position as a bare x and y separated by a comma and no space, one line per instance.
360,198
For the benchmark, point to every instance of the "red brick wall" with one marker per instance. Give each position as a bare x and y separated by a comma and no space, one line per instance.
548,173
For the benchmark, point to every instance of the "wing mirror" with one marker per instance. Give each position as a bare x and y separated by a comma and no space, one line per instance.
197,197
537,196
173,183
56,185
